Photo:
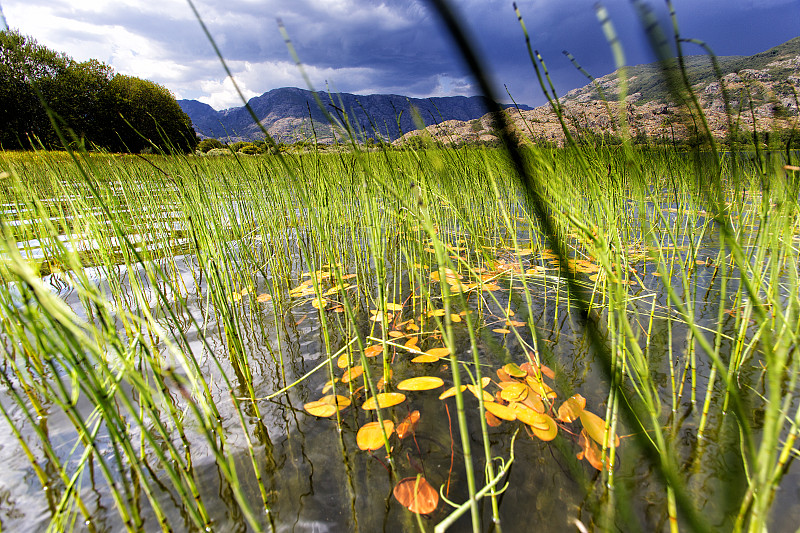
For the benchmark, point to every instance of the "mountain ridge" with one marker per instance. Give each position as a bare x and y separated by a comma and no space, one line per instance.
290,114
769,80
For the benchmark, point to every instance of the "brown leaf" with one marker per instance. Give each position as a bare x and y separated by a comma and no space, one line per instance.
417,495
571,409
408,424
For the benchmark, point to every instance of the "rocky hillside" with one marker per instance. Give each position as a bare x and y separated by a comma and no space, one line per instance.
291,114
770,81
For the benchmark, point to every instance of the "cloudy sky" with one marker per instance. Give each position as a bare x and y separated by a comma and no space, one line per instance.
373,46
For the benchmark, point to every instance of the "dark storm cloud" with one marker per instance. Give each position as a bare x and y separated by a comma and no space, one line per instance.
366,46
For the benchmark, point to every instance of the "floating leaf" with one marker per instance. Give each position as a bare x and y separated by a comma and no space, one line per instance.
378,317
502,330
500,411
530,417
491,419
514,371
261,298
372,351
394,307
456,286
589,451
319,408
503,376
451,392
343,401
329,385
540,387
595,427
515,323
370,437
384,399
395,334
318,303
475,390
491,287
436,312
570,410
534,401
413,327
352,373
438,352
408,424
417,495
534,370
411,343
455,318
514,392
420,383
550,432
342,361
425,358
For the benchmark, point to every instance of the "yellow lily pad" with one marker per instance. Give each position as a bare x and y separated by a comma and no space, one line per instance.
550,432
571,409
370,437
438,352
384,399
500,411
451,392
342,401
321,409
420,383
352,374
540,387
514,371
530,417
595,427
372,351
475,391
514,392
425,358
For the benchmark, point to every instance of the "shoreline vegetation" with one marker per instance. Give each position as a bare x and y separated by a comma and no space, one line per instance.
601,336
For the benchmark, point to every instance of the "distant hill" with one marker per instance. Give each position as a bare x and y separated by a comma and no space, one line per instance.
769,80
291,114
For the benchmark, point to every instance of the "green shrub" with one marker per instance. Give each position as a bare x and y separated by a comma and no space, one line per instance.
207,144
250,149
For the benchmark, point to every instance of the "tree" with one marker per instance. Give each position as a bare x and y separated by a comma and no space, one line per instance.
144,114
91,105
23,62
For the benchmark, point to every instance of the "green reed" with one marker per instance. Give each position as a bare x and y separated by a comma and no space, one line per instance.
226,230
139,294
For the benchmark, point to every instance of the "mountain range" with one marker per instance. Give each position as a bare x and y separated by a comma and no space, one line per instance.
290,114
762,92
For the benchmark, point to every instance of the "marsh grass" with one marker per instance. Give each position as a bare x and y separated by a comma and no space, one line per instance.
168,316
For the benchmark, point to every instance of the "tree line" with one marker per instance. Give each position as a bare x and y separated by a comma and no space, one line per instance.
93,107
